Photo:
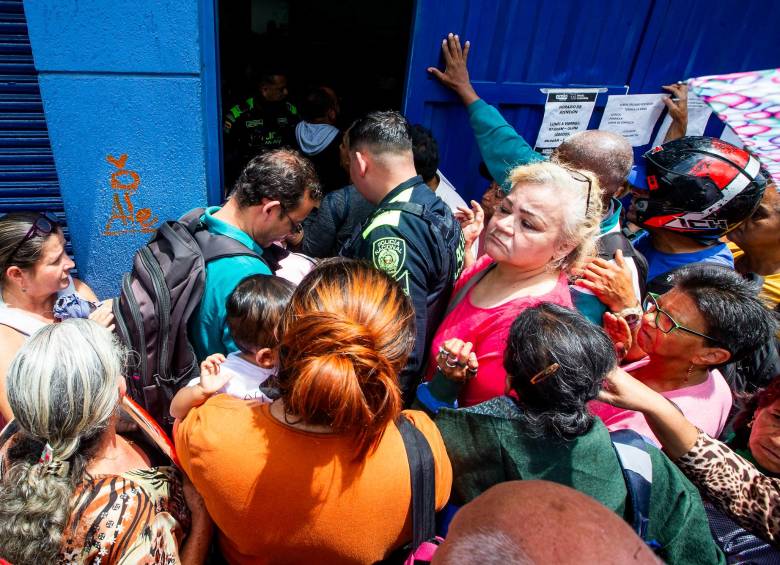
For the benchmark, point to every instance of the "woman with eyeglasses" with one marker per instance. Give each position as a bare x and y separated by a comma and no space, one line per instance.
36,288
710,317
541,429
538,232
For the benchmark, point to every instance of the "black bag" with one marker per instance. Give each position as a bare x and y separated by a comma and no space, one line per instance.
156,302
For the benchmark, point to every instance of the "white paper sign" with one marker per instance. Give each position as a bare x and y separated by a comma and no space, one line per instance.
566,111
633,116
698,115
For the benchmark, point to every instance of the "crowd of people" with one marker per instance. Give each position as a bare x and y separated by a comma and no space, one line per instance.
582,366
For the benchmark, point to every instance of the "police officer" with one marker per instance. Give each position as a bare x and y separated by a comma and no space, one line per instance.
412,235
260,123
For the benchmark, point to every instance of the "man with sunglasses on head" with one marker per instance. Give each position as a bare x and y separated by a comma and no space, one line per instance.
609,156
272,196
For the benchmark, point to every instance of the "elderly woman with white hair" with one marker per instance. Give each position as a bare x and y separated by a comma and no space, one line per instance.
71,489
547,224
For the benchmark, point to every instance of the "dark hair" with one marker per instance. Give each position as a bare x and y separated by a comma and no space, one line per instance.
547,334
381,132
317,103
734,315
426,152
282,174
254,309
346,335
14,228
761,399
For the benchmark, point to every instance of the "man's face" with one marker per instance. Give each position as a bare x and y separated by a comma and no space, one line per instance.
276,91
277,223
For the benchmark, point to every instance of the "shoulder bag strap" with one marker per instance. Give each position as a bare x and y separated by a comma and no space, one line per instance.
421,468
464,290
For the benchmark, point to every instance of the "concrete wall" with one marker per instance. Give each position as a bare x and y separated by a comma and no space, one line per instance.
129,92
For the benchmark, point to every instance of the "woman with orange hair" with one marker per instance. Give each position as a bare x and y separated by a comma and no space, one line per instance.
321,474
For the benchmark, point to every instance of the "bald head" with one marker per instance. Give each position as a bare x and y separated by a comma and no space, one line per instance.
608,155
530,522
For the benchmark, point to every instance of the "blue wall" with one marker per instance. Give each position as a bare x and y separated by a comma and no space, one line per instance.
129,92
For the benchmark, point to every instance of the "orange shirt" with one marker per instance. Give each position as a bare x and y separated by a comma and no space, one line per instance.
282,495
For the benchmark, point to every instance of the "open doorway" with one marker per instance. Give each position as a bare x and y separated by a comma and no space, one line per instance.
358,48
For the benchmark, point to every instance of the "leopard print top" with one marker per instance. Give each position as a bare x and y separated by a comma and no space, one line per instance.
751,498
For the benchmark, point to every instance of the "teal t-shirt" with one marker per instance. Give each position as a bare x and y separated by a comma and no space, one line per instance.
208,328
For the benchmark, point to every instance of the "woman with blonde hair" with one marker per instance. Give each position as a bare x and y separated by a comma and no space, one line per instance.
321,474
546,225
71,489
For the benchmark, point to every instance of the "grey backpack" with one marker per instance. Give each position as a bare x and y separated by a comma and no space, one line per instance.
156,302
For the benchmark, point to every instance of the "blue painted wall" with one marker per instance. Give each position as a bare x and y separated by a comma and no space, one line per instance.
129,93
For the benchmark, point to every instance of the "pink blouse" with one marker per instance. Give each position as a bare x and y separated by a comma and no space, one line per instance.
487,329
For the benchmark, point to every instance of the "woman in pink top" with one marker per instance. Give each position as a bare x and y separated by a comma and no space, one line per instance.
545,225
710,317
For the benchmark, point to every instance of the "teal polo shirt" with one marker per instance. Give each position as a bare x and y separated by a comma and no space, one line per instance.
208,326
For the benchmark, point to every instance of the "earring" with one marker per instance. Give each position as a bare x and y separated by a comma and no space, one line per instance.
750,423
24,289
688,375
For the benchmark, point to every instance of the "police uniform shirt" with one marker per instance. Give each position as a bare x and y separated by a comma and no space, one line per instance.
422,247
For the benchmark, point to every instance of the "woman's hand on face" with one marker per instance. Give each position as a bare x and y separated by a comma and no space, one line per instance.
624,391
211,378
618,331
457,361
472,221
104,315
612,283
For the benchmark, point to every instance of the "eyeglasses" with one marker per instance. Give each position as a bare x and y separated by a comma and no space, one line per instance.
663,321
295,227
43,225
578,176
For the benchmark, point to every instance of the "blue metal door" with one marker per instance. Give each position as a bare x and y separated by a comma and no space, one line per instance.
522,46
28,179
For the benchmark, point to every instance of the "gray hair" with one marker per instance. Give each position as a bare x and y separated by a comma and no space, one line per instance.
62,389
581,216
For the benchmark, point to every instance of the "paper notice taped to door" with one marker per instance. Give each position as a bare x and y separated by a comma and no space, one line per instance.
633,116
566,111
698,115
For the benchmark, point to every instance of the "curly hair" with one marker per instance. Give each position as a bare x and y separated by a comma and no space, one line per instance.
62,389
549,334
346,334
282,174
582,213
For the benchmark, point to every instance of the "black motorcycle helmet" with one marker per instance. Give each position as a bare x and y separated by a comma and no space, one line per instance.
699,186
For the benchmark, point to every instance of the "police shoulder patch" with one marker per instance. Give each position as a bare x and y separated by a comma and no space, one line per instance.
389,254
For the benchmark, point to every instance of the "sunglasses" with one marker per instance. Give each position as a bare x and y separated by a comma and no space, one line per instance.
663,321
578,176
43,225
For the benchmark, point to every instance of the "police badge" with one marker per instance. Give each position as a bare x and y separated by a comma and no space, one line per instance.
389,254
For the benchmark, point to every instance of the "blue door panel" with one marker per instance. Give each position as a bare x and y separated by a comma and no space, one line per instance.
522,46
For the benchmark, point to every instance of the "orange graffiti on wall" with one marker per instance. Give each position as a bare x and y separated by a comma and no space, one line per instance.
125,218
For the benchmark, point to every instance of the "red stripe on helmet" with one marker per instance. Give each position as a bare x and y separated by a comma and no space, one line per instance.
719,171
661,221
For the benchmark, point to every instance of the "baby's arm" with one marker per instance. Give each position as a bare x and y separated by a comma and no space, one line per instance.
211,381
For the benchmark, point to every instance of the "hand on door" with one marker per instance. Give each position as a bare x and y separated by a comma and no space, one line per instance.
456,73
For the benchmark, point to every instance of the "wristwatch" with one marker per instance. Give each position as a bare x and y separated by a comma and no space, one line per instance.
632,316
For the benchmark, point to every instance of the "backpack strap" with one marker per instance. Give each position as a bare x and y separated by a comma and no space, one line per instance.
637,468
214,246
423,480
464,290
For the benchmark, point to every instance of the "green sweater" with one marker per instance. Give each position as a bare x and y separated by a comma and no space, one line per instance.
487,445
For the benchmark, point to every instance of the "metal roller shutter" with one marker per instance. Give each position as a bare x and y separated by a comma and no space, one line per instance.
28,179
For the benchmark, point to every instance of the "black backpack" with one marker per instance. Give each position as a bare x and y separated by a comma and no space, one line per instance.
155,304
